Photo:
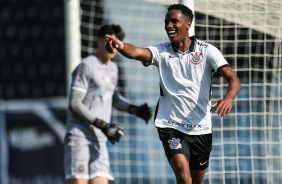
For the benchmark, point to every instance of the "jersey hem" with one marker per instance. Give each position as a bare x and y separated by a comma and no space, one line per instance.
192,131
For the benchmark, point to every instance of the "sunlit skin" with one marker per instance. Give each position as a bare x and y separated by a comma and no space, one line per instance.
224,106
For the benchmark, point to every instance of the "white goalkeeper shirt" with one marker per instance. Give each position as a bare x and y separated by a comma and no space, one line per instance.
185,85
99,83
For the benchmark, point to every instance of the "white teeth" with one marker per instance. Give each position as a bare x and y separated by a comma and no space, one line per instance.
171,32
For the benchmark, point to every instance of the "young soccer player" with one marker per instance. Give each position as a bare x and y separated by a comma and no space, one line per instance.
183,114
94,92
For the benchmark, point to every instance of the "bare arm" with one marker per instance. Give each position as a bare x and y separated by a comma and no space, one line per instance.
224,106
127,50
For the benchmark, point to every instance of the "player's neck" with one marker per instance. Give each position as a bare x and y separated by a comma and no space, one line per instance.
104,59
182,46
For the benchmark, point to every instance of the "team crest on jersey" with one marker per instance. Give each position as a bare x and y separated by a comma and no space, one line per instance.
174,143
196,58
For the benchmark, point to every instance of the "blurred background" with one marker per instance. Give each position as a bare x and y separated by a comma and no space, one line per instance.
41,41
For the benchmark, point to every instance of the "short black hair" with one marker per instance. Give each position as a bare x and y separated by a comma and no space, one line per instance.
111,29
184,10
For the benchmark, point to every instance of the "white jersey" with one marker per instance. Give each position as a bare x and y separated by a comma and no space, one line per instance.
185,82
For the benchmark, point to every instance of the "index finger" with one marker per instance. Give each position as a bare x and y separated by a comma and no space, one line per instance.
109,37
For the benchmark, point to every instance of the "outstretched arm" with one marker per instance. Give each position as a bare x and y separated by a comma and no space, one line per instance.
127,50
143,111
224,106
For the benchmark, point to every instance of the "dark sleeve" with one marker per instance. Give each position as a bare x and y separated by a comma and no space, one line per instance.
219,69
120,102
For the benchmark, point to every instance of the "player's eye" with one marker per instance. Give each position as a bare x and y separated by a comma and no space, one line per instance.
173,21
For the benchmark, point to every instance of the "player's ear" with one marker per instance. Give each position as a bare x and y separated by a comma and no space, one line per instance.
188,25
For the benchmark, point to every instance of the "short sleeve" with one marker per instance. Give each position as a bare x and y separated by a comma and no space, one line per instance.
216,59
155,54
80,78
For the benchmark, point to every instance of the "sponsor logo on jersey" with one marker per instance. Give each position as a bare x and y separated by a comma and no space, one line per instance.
196,58
202,44
174,143
188,126
106,94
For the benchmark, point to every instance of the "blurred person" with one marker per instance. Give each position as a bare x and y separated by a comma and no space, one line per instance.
183,114
93,93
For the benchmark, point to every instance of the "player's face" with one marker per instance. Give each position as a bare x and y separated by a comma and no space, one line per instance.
176,26
101,42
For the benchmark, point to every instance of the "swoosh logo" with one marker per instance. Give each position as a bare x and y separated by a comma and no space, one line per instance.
203,163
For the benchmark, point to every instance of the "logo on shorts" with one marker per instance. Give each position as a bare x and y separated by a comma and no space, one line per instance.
203,163
80,168
174,143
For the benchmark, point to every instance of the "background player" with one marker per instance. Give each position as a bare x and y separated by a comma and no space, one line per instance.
183,114
94,91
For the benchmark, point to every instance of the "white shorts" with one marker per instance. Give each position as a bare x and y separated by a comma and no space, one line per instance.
84,157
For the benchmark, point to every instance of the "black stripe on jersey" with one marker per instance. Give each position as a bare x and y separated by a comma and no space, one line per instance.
218,70
161,91
157,107
210,96
156,110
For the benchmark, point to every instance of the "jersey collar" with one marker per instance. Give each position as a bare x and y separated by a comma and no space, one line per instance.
191,48
193,44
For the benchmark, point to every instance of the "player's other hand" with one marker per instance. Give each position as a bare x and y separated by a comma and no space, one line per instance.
143,111
113,131
223,107
112,43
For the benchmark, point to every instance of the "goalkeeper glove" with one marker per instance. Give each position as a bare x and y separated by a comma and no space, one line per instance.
112,131
143,111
